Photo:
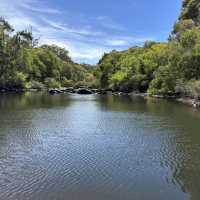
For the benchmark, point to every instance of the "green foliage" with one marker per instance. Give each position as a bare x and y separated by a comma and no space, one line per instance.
190,88
59,52
36,85
52,83
156,68
163,83
67,83
79,84
117,79
19,80
190,10
23,65
159,68
182,26
132,69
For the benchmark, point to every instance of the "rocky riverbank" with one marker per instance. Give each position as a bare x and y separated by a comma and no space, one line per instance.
188,101
182,99
85,91
88,91
53,91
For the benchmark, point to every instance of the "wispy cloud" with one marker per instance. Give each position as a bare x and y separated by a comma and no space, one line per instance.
68,29
40,9
85,42
107,22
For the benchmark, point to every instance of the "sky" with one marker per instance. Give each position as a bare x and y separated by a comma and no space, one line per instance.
90,28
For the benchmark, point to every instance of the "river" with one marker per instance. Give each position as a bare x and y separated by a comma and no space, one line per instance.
72,147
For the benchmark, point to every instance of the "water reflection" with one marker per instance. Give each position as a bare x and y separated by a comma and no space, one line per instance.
97,147
32,100
180,147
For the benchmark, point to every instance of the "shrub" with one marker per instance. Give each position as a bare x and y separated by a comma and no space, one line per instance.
163,83
117,79
81,84
36,85
190,88
94,84
52,83
18,81
67,83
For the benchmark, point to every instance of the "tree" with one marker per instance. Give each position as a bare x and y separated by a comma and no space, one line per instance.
22,64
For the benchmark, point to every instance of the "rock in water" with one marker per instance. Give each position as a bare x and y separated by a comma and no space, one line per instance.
54,91
84,91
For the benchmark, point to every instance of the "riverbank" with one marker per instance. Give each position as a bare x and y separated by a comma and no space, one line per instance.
73,90
188,101
181,99
88,91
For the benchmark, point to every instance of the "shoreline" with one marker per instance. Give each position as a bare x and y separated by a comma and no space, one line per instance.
180,99
87,91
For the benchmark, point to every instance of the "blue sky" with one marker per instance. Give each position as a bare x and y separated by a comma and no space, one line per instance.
88,28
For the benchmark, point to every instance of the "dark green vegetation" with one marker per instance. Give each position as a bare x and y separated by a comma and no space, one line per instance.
25,65
171,68
159,68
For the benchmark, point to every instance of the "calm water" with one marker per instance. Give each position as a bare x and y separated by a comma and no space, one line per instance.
98,148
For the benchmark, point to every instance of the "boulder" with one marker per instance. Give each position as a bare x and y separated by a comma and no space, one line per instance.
2,90
70,90
95,91
84,91
106,91
55,91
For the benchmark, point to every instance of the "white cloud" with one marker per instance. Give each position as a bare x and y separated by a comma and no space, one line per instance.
81,52
86,43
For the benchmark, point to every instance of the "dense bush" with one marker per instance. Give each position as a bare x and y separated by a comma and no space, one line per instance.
24,65
190,89
132,69
36,85
156,68
52,83
159,68
67,83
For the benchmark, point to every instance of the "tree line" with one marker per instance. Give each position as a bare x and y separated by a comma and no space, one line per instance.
25,65
166,68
